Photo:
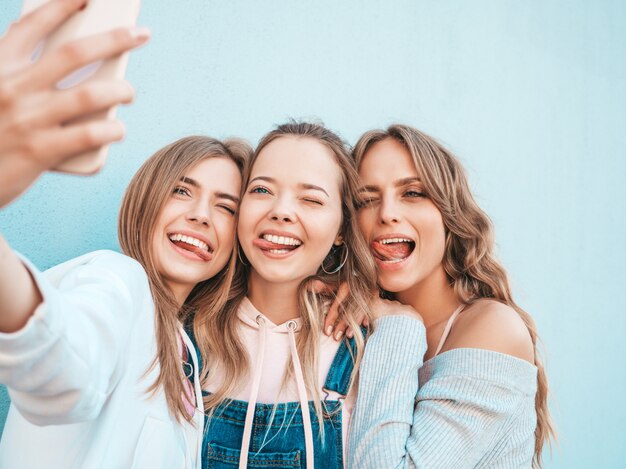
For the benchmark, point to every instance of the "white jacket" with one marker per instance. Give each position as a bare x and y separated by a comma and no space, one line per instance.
78,372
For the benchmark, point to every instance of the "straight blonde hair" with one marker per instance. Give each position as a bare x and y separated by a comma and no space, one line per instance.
469,260
221,343
143,201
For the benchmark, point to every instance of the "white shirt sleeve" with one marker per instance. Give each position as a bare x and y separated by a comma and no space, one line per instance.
63,364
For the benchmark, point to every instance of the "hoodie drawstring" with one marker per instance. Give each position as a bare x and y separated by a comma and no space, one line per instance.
254,392
304,402
256,381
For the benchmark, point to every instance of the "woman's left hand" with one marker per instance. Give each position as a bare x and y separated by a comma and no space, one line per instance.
333,324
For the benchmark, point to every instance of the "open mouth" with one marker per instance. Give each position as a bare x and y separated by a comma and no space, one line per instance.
277,244
392,250
193,245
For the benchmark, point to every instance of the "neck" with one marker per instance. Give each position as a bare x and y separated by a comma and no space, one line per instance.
277,301
181,292
433,297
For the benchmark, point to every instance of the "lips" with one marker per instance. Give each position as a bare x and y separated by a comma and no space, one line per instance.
277,243
196,245
392,249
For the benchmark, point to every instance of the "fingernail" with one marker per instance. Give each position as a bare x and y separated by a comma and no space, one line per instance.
329,330
140,32
350,334
338,335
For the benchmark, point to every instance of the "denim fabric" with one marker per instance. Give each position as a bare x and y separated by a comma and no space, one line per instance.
276,442
277,439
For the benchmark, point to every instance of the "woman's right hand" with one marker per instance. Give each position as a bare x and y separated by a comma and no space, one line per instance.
381,308
32,109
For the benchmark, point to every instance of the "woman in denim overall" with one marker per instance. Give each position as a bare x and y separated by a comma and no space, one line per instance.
278,440
272,378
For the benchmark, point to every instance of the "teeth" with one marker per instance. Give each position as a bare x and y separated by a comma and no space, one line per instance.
393,261
279,251
395,240
189,240
284,240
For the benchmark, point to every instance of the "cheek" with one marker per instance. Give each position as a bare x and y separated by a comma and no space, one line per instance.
326,225
434,233
244,223
365,221
225,228
159,235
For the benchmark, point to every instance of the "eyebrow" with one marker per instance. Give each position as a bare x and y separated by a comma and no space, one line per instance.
398,183
191,182
220,195
406,181
303,185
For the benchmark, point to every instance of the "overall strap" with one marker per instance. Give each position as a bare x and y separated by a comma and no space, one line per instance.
188,327
338,377
448,328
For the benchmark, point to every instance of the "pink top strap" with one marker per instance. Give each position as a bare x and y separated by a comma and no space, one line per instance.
448,328
189,395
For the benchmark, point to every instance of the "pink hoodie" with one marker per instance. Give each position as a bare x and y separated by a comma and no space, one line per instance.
269,350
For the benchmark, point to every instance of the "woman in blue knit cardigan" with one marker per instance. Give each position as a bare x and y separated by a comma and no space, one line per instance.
460,384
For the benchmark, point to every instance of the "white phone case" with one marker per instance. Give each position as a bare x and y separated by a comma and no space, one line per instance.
98,16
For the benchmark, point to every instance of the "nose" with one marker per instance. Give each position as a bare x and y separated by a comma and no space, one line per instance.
200,213
282,211
389,211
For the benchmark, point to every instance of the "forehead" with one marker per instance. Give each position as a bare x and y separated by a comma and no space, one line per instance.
298,160
387,161
216,173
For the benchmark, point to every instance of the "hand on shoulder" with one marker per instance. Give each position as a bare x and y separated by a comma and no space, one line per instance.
491,325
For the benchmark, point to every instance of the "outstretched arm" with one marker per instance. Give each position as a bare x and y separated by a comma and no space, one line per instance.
33,138
63,364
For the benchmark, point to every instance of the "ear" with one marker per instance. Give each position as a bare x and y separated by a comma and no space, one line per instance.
338,240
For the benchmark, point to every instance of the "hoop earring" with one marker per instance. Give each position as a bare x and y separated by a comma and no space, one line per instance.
343,262
239,256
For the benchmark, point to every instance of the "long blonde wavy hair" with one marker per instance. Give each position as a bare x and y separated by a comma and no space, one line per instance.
219,341
469,260
143,201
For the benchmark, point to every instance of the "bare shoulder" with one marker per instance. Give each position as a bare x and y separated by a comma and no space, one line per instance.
491,325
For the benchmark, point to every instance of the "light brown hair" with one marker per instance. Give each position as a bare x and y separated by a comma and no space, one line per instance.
143,201
469,260
222,342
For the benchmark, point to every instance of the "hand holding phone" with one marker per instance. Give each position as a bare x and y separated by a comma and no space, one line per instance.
93,17
43,127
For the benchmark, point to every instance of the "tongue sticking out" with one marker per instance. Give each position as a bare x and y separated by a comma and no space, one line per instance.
201,253
268,245
392,251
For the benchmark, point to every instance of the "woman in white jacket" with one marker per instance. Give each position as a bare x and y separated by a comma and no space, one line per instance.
98,367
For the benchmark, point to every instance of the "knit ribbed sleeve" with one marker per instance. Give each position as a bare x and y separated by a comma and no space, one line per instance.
464,408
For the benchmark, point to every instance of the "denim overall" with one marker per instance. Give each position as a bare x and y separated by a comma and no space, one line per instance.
278,442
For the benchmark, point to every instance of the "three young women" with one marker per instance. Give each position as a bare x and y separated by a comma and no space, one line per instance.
481,394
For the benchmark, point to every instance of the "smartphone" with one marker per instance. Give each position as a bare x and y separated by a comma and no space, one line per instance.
97,16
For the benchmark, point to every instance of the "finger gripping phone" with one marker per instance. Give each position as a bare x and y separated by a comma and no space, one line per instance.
96,17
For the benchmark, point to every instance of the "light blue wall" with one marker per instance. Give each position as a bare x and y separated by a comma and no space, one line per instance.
531,95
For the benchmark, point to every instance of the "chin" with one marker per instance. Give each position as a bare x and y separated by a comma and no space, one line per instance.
395,283
278,275
190,277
